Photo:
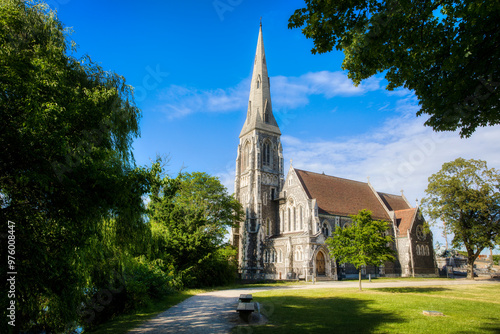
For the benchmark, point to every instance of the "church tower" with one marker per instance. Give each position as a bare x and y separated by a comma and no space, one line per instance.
259,172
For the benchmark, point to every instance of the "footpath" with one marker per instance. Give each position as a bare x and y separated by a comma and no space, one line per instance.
215,312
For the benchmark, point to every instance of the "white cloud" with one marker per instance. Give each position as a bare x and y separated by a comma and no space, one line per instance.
293,92
177,101
402,154
287,92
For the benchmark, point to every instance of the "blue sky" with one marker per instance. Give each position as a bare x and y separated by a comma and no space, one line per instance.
191,62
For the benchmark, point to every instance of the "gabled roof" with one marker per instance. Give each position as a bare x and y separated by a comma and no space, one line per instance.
404,219
393,202
337,196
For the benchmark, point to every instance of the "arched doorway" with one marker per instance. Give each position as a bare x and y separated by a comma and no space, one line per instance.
320,264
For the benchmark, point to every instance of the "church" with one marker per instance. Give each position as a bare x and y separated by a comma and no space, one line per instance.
287,220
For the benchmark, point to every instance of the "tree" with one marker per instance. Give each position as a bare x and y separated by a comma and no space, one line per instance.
362,243
466,195
65,163
189,217
446,51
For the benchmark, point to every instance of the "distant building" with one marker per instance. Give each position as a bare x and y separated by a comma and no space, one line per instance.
288,220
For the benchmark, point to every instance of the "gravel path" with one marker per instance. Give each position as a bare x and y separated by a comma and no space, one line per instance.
215,312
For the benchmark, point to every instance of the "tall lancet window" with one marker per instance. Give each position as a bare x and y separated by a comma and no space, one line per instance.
245,159
266,113
266,157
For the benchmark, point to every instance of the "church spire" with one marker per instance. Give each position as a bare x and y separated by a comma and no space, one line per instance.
260,112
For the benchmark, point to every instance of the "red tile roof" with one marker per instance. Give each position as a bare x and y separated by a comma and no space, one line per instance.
337,196
404,219
394,202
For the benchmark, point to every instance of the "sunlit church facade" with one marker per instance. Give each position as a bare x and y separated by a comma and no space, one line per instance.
287,220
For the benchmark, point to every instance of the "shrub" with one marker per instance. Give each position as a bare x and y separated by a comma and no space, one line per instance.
217,269
146,281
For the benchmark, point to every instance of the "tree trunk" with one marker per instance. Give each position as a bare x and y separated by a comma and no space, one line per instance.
360,280
471,257
470,267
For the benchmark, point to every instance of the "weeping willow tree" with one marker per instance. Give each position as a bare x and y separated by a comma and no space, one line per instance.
66,165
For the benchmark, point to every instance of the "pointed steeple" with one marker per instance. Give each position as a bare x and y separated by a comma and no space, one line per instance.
260,112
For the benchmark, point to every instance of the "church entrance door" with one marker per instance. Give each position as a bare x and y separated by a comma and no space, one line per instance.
320,264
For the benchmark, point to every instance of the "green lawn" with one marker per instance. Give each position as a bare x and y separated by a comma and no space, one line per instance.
467,309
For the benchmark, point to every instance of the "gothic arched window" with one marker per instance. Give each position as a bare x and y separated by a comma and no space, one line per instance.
301,218
325,230
282,217
294,219
266,156
289,220
245,159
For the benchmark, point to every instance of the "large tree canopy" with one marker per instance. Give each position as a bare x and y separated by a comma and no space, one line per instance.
362,243
465,194
65,161
189,217
446,51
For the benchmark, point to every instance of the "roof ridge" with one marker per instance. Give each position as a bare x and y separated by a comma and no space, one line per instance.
405,209
336,177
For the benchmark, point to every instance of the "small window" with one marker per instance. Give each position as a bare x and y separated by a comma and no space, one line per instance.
245,159
325,230
282,217
294,219
289,220
301,217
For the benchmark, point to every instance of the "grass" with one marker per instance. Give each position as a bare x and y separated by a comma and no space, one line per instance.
467,309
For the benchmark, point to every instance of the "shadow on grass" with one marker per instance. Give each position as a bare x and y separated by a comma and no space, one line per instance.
410,290
492,326
292,314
